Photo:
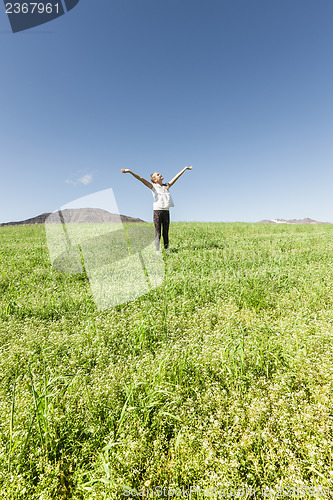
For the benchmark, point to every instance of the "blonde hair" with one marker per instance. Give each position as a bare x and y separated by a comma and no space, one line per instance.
152,177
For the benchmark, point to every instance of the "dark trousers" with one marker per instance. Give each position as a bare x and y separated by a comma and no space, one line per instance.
161,220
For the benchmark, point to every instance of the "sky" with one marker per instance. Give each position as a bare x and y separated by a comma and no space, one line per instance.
242,90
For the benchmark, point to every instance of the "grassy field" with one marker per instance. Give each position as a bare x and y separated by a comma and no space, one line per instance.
221,378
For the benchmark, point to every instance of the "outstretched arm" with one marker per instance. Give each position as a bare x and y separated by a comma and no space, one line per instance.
178,175
146,183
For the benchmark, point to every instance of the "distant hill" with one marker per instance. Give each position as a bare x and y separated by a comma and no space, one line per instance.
78,216
291,221
97,215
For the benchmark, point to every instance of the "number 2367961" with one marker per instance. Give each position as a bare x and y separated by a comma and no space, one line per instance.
32,8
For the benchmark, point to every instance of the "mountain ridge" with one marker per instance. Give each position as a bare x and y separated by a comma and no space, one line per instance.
307,220
96,215
77,215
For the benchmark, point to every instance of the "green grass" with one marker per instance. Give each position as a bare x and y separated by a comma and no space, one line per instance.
220,377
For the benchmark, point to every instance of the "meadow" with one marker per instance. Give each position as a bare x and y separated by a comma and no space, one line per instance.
220,378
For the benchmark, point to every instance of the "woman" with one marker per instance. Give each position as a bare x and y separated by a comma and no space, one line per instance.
162,203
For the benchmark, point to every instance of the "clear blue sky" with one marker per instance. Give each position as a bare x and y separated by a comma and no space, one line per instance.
240,89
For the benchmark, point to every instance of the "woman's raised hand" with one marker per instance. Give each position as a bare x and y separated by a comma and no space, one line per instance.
124,170
189,168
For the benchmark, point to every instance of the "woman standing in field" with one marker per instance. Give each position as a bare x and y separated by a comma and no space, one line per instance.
162,202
